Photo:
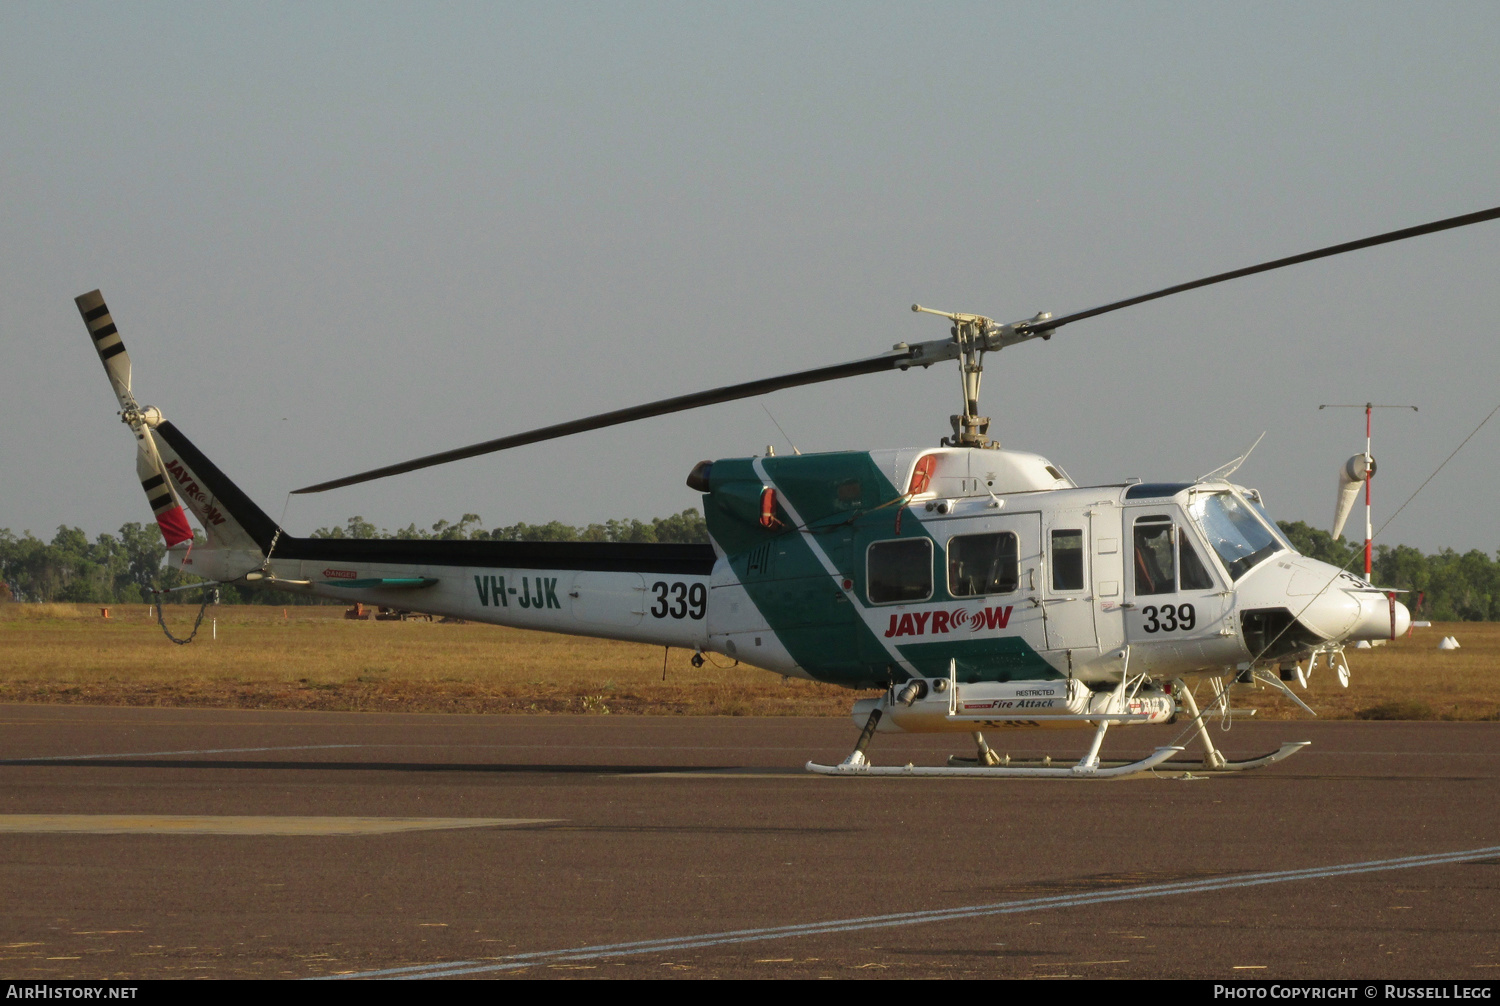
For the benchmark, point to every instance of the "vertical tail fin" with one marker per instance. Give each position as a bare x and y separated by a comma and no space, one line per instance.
229,517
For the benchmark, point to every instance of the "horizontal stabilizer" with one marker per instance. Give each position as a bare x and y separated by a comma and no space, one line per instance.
385,583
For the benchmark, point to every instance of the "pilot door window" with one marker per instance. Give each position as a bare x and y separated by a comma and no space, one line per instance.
899,570
983,564
1162,552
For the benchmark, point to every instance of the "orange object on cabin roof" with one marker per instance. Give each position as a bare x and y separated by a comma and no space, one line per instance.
921,476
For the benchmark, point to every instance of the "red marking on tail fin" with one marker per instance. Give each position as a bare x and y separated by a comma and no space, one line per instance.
174,526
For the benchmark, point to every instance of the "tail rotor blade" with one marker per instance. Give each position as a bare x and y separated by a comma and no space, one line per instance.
166,507
108,344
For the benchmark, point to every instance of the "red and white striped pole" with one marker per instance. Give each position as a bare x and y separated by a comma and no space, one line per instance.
1369,526
1369,408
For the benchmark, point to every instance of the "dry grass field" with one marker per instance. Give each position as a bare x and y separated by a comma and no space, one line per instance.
312,658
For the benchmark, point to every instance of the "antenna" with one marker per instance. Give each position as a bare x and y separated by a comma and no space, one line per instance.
1224,471
779,429
1367,473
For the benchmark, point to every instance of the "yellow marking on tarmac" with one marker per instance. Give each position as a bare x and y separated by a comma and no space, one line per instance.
202,824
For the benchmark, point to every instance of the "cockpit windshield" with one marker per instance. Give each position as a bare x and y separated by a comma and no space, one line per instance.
1241,541
1260,508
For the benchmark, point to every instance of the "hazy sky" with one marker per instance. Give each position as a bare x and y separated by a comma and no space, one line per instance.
337,236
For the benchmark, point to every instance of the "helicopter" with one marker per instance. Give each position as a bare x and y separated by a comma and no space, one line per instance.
974,586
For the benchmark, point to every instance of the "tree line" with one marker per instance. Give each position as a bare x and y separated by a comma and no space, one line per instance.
1444,587
128,567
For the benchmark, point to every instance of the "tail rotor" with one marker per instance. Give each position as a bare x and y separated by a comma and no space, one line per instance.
163,498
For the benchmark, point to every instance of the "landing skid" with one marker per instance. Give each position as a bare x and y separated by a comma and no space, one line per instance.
860,767
989,764
1285,751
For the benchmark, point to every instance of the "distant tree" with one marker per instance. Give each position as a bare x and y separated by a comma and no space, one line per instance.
687,527
551,531
144,551
17,560
354,527
629,530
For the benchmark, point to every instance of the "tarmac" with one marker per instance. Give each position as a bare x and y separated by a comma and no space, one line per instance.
181,843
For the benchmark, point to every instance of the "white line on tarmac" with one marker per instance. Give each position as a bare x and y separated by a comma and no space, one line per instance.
1101,896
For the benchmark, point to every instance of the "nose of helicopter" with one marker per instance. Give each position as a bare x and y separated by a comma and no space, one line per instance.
1333,614
1353,615
1381,616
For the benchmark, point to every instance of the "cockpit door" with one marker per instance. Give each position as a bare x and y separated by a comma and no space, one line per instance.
1174,595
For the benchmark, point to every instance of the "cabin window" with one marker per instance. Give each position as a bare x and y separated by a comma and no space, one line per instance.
851,494
1155,565
1067,560
899,570
983,564
1163,551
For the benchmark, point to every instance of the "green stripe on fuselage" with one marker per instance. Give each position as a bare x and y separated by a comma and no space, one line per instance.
1000,658
803,604
844,500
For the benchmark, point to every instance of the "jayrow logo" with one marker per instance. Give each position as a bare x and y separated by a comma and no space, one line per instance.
204,508
922,623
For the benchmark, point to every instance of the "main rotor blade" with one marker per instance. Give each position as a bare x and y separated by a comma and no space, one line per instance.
856,368
873,365
111,350
1339,249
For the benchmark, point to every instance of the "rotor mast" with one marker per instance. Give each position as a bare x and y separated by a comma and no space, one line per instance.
971,336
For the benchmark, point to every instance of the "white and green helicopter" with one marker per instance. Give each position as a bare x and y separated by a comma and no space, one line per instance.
978,587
